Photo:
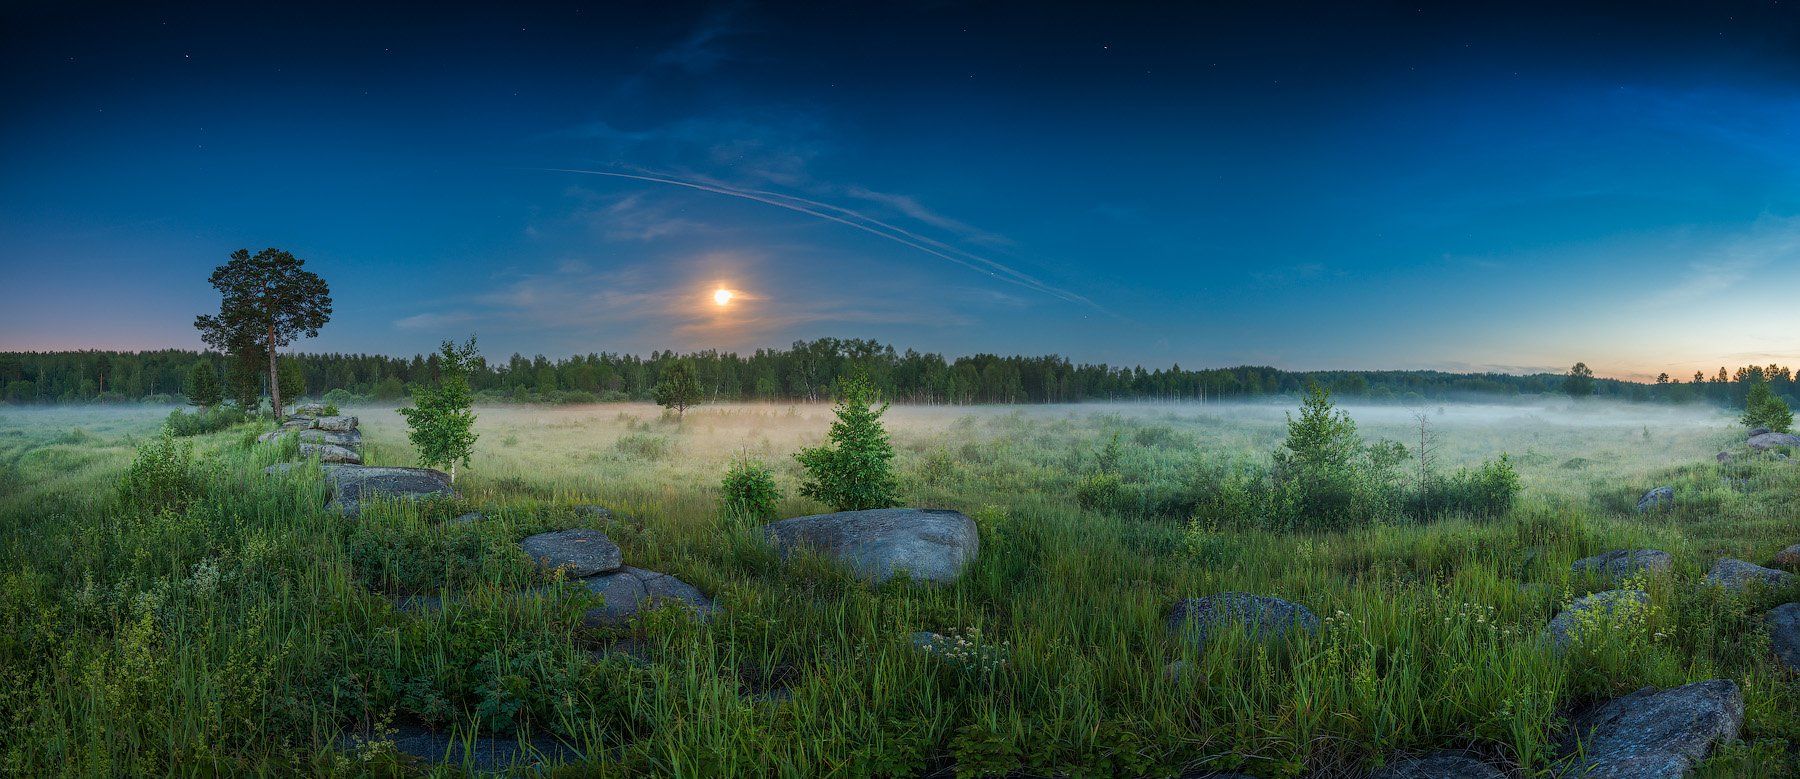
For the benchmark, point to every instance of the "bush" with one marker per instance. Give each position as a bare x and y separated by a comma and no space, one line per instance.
1486,491
639,446
212,420
1103,491
1325,476
857,471
1763,408
749,492
338,398
161,475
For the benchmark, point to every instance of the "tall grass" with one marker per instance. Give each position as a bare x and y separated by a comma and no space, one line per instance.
248,631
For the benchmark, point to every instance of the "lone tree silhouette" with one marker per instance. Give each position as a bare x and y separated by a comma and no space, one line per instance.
267,299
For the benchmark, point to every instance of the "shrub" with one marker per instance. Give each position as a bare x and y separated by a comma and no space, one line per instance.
749,492
161,475
212,420
1103,491
338,397
1763,408
1325,477
1486,491
643,447
856,472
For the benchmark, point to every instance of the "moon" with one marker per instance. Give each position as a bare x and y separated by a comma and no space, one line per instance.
722,296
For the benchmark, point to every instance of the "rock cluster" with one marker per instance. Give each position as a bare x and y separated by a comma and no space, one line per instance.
1661,498
326,439
1621,563
1768,441
589,556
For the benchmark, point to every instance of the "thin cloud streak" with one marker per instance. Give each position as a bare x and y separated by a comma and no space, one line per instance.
882,229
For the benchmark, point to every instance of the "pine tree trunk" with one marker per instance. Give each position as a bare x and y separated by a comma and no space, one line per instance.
274,377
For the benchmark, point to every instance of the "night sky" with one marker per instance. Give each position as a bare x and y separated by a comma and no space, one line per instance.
1401,186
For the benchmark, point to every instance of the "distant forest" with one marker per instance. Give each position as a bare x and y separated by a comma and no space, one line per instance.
808,370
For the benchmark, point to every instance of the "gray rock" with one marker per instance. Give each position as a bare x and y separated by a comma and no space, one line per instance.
1621,563
299,423
1439,765
479,753
1661,498
351,439
330,453
1653,734
1788,558
336,424
629,590
1772,440
310,410
928,544
581,552
1756,431
1723,457
1733,574
272,435
1566,627
352,484
1261,616
1784,634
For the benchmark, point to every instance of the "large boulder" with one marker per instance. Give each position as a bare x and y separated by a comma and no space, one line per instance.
1768,441
1788,558
1661,498
1621,563
1261,616
580,552
1590,613
1734,574
928,544
310,410
1784,634
350,485
299,423
629,590
330,453
351,439
1652,734
336,424
1439,765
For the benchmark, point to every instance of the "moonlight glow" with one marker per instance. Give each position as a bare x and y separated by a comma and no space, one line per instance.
722,297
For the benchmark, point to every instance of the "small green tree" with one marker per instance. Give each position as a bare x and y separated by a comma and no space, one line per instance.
243,380
749,491
1325,476
1579,383
856,471
1764,408
441,421
293,382
679,388
202,386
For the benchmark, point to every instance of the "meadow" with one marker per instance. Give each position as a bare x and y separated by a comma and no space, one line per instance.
246,630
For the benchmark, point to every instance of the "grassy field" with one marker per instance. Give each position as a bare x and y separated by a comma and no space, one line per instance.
248,631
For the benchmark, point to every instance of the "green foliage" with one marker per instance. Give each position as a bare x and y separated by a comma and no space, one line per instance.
679,389
1579,383
161,476
643,446
202,386
1488,490
1763,408
856,471
749,492
243,380
1103,491
1325,477
210,420
293,382
441,421
338,398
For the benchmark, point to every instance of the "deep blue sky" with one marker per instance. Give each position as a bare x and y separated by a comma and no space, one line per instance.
1417,185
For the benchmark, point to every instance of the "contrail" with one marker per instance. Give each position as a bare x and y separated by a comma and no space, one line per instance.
861,222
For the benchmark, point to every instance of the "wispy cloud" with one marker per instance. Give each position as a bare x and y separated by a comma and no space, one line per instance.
636,217
704,47
1725,267
911,207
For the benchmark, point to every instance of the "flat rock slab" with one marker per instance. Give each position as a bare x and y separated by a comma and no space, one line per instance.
928,544
481,753
1439,765
330,453
299,423
310,410
1591,612
351,439
1262,617
1659,499
352,484
1621,563
1733,574
1767,441
629,590
1652,734
336,424
580,552
272,435
1784,634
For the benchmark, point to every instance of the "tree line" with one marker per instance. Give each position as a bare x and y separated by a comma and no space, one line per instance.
806,371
